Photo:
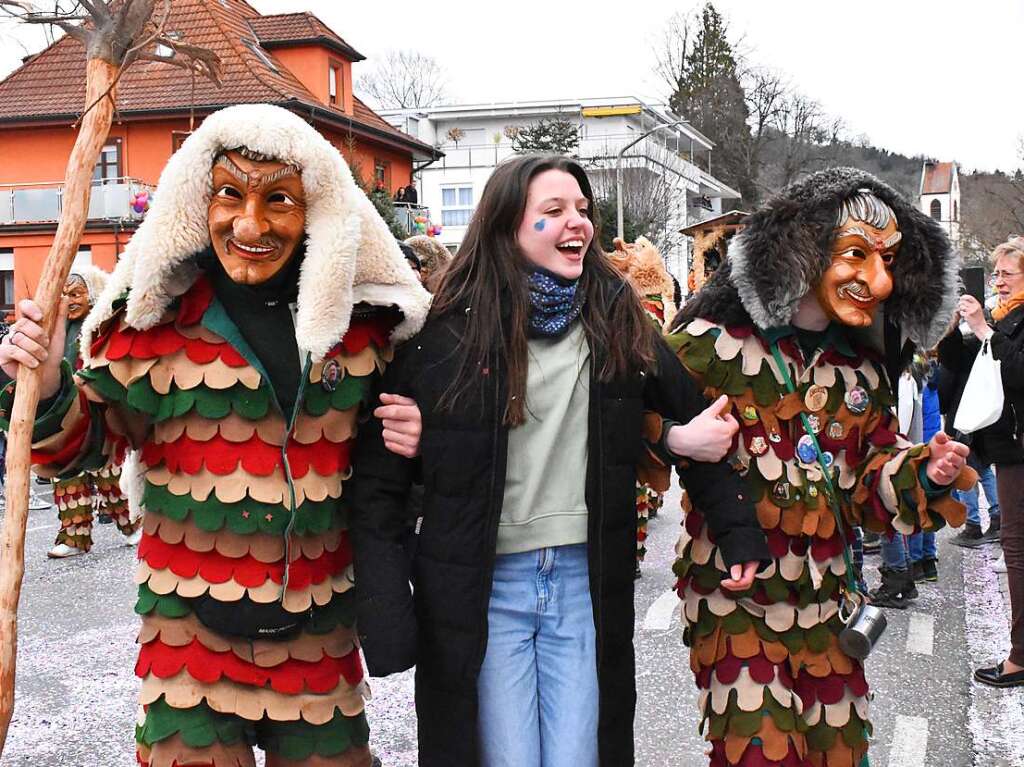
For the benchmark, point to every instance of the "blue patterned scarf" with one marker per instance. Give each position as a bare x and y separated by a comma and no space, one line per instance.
555,304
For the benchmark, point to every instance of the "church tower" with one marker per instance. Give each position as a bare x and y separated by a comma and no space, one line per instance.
940,196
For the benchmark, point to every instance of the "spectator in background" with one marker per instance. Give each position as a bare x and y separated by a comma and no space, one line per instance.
924,555
1001,443
411,196
400,194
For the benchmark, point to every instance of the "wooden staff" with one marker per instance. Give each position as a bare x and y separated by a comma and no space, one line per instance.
100,78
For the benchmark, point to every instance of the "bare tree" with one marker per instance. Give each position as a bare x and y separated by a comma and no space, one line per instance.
114,33
404,80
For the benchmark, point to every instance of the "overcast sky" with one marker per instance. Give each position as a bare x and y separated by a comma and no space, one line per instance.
932,77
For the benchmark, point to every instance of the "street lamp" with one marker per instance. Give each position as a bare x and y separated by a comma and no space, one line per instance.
618,169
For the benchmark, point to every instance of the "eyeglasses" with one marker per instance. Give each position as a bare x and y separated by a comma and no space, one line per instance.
1000,275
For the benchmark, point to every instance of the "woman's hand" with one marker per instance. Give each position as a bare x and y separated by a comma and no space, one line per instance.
707,437
403,424
27,344
946,460
974,314
741,577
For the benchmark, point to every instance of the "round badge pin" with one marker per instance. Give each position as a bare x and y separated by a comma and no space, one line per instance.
835,430
330,375
749,413
774,437
815,423
856,400
816,397
758,445
805,449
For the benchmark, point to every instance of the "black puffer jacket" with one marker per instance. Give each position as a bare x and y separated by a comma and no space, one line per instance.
443,629
1003,441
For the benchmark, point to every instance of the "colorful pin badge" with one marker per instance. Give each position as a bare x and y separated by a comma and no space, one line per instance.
816,397
781,491
815,423
812,491
856,400
774,437
835,430
805,449
758,445
330,375
828,459
749,413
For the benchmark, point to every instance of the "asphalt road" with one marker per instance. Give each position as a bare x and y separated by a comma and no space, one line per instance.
76,691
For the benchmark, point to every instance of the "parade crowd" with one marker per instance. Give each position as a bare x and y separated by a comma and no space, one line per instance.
342,455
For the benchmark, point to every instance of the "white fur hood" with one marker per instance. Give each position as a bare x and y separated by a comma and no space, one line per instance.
351,256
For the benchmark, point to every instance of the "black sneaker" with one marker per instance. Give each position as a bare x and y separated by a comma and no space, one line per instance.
969,538
992,534
917,569
872,542
931,570
909,589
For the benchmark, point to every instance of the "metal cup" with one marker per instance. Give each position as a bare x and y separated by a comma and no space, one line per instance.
863,629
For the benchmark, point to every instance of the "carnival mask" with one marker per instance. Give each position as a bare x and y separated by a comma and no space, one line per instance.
77,294
257,216
865,244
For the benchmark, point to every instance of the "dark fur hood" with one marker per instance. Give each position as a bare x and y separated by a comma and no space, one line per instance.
785,246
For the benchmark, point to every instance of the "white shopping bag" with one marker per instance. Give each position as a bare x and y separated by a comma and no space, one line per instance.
982,400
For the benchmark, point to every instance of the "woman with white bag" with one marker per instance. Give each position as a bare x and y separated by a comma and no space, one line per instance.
998,437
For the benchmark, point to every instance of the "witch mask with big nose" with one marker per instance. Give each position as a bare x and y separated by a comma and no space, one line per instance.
257,216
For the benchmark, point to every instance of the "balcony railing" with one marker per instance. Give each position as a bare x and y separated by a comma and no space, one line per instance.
407,213
38,203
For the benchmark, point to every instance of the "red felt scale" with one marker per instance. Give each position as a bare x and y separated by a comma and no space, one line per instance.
292,677
754,757
75,438
258,458
830,689
164,340
213,567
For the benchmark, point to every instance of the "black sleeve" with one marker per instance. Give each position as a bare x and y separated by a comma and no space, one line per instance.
1010,353
379,524
716,489
951,349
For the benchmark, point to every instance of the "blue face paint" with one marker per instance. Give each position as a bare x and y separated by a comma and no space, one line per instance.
539,226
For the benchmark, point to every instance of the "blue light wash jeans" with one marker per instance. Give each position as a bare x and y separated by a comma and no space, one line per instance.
537,689
922,546
894,552
969,498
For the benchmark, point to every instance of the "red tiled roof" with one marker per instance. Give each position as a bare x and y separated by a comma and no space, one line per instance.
51,86
283,28
938,178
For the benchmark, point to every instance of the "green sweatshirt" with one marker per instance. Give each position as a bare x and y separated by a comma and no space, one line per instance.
545,480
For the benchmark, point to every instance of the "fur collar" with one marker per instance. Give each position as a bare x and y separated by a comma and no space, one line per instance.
783,251
351,256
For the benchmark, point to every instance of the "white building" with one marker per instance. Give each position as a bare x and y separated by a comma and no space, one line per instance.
940,196
476,137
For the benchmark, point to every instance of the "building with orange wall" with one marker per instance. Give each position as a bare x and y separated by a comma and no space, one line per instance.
293,60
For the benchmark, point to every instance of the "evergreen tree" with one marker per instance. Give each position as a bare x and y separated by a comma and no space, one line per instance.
557,136
708,93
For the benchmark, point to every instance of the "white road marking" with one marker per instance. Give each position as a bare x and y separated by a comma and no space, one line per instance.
660,614
921,634
39,527
909,742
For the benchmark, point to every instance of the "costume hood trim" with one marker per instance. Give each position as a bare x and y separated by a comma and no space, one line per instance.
784,249
351,256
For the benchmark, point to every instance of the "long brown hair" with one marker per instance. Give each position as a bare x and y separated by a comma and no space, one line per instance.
487,278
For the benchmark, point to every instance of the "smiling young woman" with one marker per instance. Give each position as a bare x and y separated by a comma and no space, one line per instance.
532,375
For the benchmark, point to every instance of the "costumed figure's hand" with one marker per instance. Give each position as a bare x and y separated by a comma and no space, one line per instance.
946,460
973,314
741,577
707,437
27,344
403,424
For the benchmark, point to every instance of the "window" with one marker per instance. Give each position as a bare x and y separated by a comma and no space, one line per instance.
456,205
108,166
382,174
6,280
177,139
335,84
936,210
